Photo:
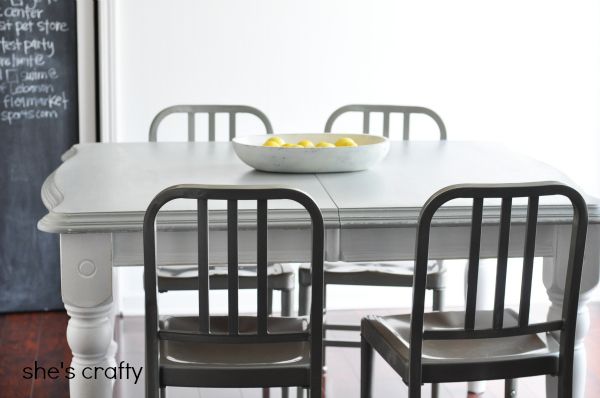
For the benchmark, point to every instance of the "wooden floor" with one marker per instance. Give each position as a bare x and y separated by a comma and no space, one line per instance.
26,338
30,337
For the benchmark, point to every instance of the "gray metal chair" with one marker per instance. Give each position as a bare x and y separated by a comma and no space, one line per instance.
475,345
232,350
182,277
211,111
395,274
386,110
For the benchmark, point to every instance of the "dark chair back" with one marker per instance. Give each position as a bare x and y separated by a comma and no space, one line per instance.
203,194
366,110
211,110
505,192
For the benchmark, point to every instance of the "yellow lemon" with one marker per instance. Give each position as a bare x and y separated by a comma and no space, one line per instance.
345,142
292,146
278,140
324,144
306,144
271,143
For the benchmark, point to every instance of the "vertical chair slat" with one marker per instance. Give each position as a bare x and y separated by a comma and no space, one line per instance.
232,270
211,126
366,122
261,264
203,281
231,126
191,127
386,124
473,270
503,241
406,127
532,213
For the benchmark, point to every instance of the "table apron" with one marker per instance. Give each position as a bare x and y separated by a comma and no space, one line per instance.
180,247
447,242
369,244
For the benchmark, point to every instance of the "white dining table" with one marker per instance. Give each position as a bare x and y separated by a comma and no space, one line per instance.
97,197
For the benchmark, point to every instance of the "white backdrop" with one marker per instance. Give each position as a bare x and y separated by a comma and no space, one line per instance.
525,74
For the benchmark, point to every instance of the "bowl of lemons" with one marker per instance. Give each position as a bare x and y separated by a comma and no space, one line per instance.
311,153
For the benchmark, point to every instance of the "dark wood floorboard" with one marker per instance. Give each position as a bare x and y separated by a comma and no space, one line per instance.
18,350
26,338
52,352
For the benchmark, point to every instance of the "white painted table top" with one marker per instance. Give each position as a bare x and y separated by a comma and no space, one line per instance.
108,186
394,191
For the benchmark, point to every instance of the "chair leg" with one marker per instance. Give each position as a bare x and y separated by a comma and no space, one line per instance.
565,384
304,299
414,391
366,368
287,302
510,388
153,390
435,390
324,331
439,296
266,393
316,389
439,299
270,301
324,348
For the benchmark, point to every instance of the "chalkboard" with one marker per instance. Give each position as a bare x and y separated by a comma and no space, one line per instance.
38,122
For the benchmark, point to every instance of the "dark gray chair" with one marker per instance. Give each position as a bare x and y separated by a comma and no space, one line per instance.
395,274
232,350
475,345
182,277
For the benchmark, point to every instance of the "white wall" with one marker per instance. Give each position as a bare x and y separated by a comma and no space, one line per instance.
526,74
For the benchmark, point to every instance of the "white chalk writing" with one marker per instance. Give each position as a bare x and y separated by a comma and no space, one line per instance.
29,83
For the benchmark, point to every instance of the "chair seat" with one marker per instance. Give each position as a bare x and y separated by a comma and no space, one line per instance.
463,360
237,364
185,277
388,267
384,273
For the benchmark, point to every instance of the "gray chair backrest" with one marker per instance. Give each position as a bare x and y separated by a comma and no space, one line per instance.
232,194
505,192
211,110
386,110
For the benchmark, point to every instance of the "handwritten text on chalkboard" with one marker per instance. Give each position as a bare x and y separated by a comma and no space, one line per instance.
30,84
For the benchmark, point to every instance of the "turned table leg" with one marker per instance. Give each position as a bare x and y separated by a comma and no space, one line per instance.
86,284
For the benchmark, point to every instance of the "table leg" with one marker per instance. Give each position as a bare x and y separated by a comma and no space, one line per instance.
554,274
89,334
86,285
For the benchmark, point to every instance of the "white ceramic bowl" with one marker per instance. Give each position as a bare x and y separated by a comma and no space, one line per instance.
370,150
